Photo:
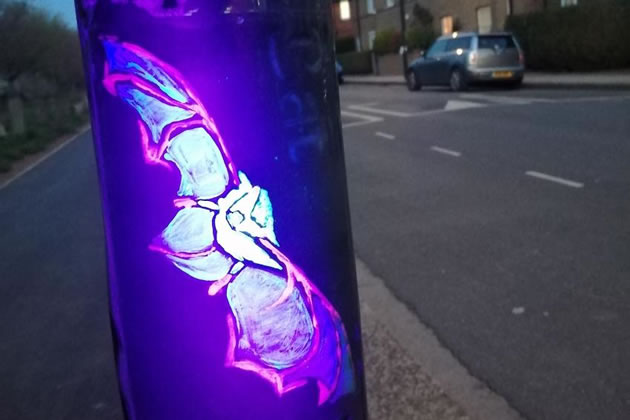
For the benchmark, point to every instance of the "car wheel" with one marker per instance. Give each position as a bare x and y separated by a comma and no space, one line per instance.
457,81
413,83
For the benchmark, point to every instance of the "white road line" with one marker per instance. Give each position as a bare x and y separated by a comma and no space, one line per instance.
446,151
557,180
453,105
384,135
379,111
42,158
365,119
507,100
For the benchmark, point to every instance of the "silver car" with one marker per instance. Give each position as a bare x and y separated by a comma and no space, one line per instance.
460,59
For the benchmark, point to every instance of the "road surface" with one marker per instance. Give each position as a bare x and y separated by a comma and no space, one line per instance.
502,218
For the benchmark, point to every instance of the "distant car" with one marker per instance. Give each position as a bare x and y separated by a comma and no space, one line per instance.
339,69
460,59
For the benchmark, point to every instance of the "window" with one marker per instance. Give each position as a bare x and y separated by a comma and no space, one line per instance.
390,3
496,42
461,44
567,3
344,10
369,4
484,19
371,37
436,49
447,25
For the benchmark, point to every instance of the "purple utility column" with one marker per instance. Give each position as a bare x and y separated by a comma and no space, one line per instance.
232,285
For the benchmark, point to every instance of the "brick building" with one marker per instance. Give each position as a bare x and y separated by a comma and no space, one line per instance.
365,18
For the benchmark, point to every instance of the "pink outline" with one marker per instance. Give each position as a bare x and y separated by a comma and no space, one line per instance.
185,202
219,285
186,255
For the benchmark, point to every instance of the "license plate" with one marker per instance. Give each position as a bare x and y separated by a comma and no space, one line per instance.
502,74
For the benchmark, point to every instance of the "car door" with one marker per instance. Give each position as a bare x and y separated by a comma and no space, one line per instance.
428,68
455,55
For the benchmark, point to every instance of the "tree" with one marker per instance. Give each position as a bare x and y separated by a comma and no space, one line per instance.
34,43
422,16
421,34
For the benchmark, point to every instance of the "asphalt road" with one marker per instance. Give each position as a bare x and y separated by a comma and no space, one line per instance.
56,358
502,219
524,277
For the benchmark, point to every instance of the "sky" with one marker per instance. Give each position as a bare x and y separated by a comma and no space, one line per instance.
63,8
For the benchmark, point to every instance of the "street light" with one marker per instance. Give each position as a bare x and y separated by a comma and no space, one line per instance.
231,271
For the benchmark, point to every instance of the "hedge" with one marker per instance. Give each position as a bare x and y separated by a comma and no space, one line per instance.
585,37
356,62
344,45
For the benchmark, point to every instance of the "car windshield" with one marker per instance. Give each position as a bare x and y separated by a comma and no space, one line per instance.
458,43
496,42
437,48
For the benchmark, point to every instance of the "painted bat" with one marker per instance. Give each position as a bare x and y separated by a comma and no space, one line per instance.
281,327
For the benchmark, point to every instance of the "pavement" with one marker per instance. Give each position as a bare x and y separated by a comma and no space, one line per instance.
500,218
602,80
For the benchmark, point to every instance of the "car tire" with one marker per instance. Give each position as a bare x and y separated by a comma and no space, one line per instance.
457,81
413,84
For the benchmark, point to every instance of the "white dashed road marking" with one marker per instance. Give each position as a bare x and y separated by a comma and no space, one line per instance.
506,100
379,111
453,105
444,151
557,180
384,135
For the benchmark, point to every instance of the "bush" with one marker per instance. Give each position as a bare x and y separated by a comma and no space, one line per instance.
344,45
420,38
387,41
575,38
5,165
48,118
356,62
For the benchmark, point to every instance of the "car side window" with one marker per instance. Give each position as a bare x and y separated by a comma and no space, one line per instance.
437,48
455,44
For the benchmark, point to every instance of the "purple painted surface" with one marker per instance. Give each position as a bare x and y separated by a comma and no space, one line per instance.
212,316
277,331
